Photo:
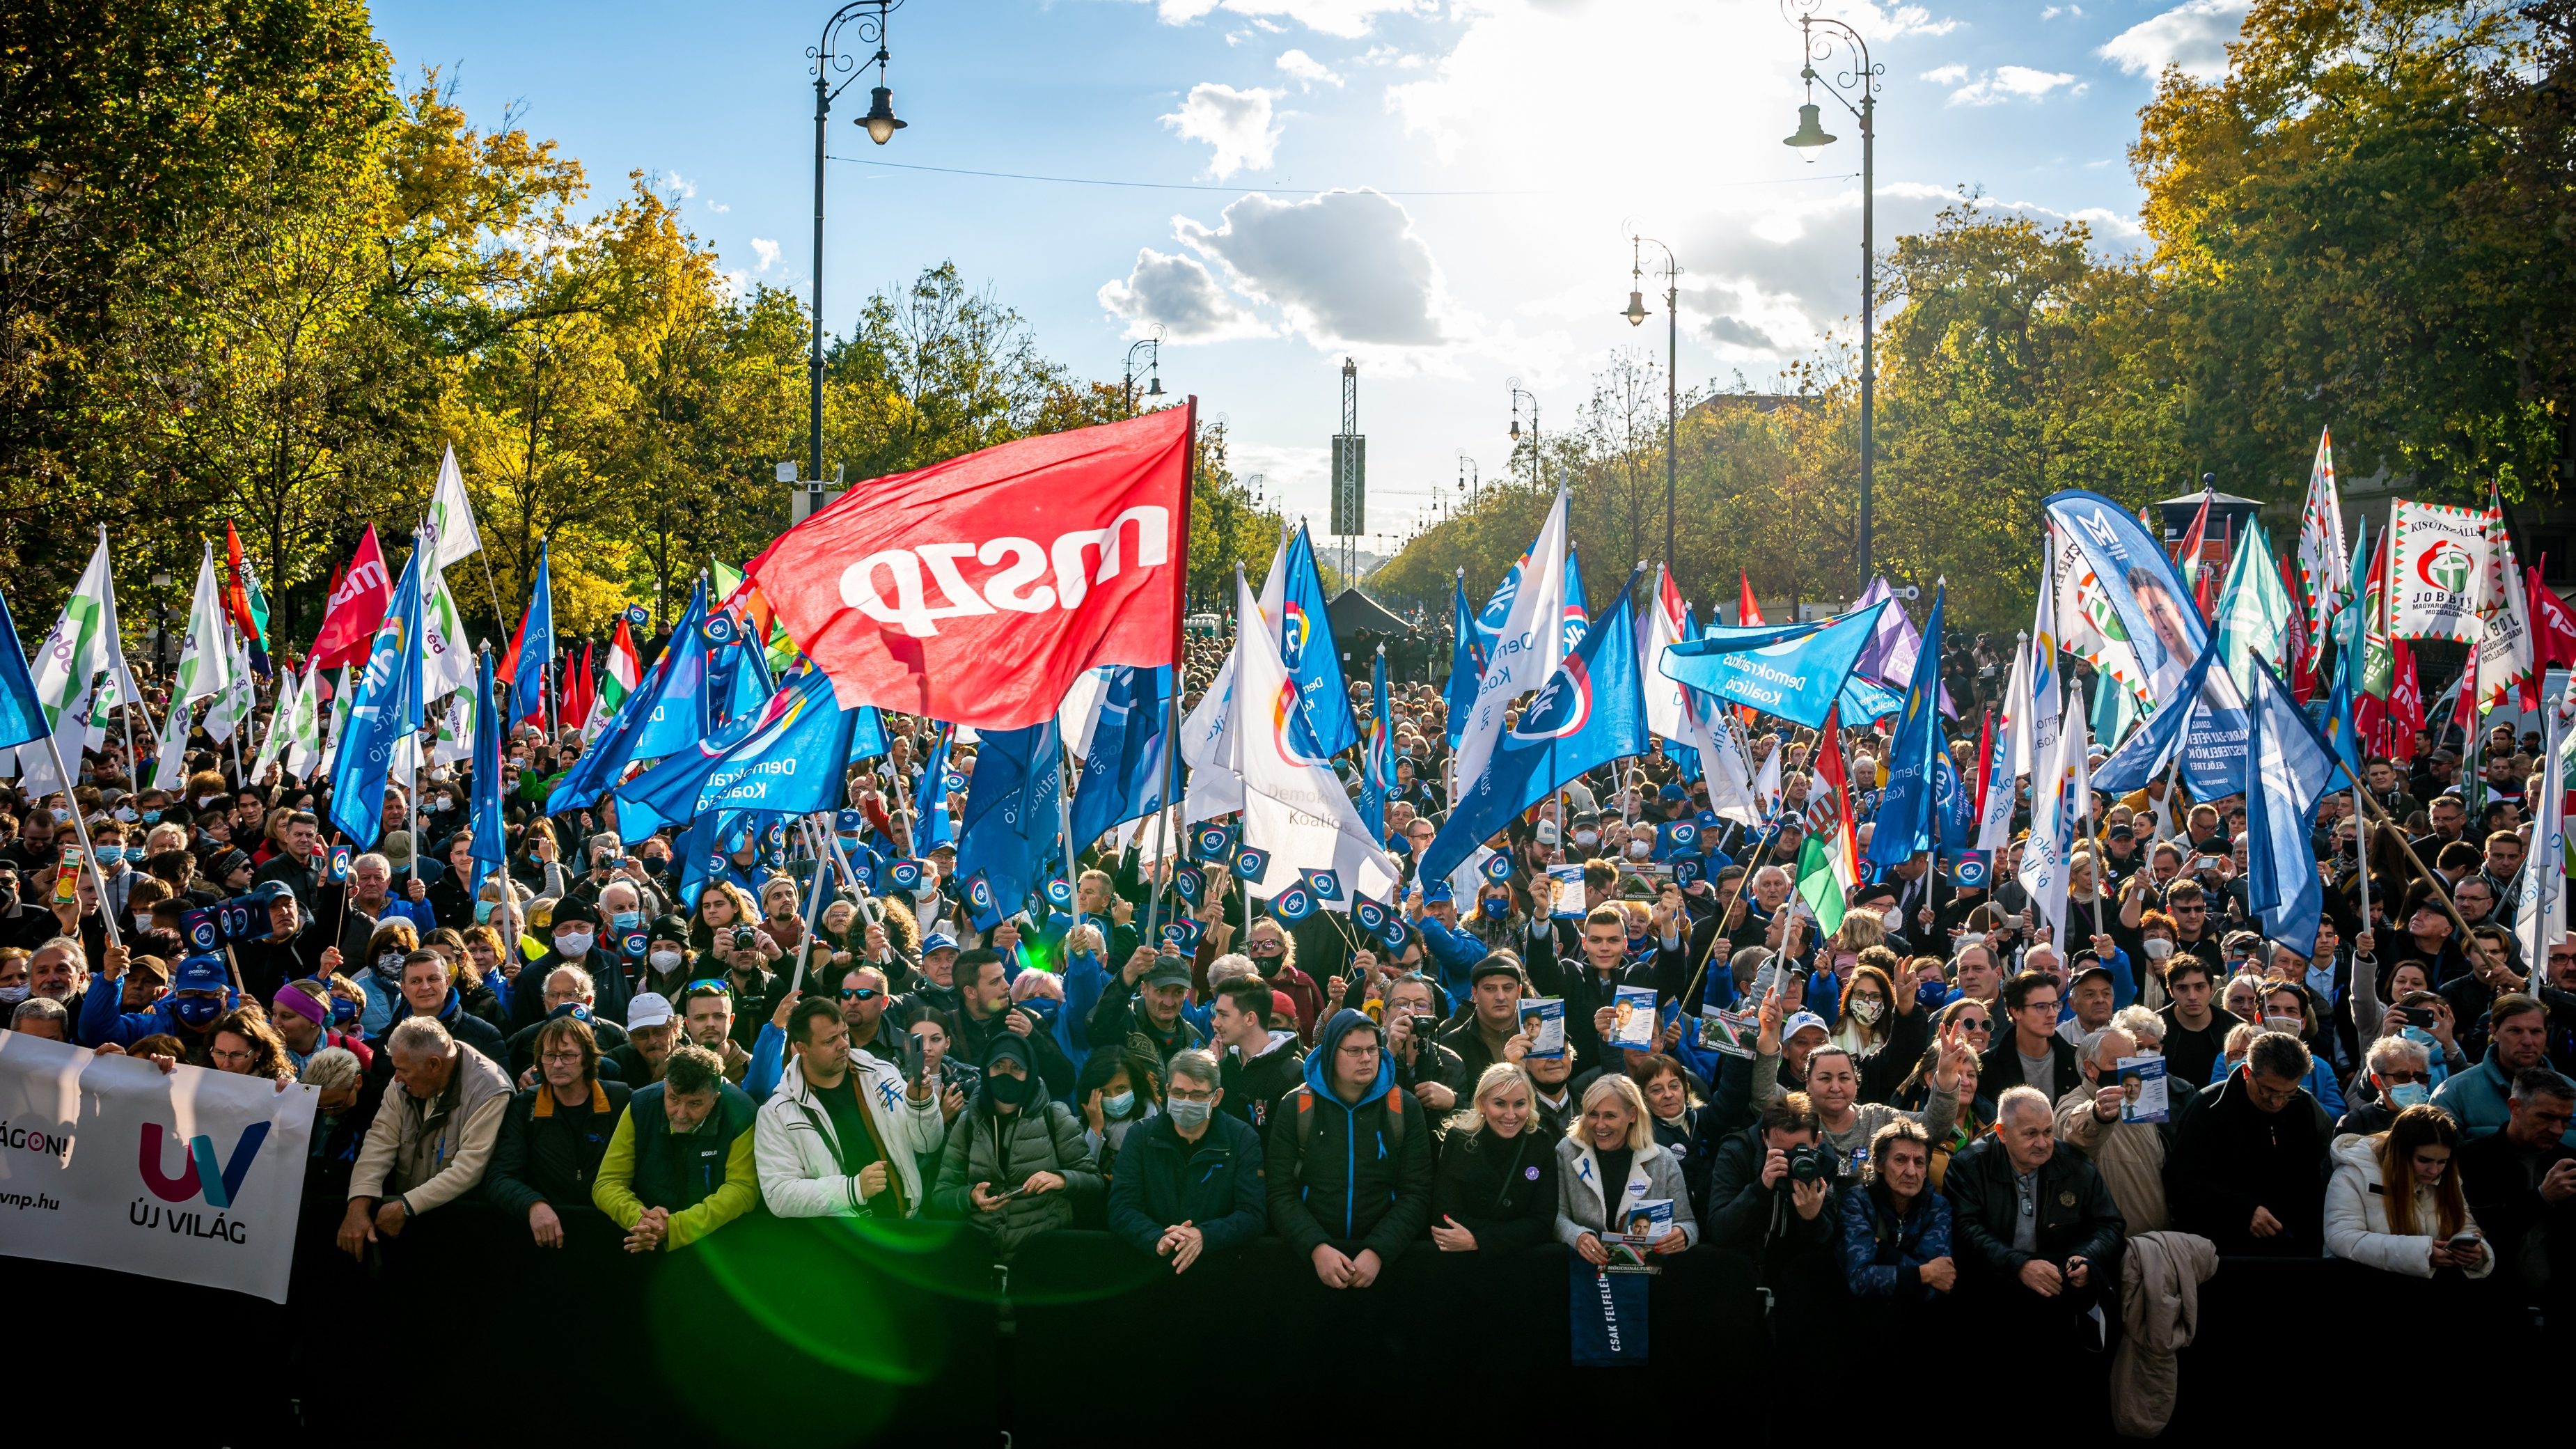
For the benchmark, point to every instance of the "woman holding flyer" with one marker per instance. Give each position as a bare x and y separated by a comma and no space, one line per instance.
1497,1185
1611,1143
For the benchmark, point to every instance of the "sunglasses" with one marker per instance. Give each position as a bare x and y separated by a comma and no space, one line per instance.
859,993
715,981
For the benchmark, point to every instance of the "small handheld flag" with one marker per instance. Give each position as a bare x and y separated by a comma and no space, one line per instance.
1326,884
1293,904
1251,863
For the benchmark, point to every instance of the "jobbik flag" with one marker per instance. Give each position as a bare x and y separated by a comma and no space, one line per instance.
2438,562
978,589
190,1177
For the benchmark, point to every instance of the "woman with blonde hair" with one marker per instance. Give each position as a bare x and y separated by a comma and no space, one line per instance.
2395,1201
1607,1164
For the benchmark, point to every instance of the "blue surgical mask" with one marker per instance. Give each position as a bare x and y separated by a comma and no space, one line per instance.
1187,1115
1118,1106
151,817
626,920
2409,1094
110,854
2422,1038
483,911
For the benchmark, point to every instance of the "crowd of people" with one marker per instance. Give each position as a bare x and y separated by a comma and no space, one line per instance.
1943,1107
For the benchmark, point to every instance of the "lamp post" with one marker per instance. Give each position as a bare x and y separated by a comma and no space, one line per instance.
1636,315
1471,487
1858,76
1538,461
1154,366
866,19
161,620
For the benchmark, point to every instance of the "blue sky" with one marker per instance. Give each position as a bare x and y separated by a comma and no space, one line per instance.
1296,153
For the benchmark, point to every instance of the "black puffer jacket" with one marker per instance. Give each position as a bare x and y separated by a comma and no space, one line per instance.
548,1152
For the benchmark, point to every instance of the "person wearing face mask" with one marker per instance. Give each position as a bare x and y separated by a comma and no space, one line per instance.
1014,1165
1189,1180
1273,953
2397,1075
200,990
669,964
387,947
107,846
2129,1155
573,936
301,1011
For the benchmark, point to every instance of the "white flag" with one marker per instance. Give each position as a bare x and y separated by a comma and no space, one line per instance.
2438,566
1207,745
1766,785
66,665
450,526
304,723
2504,645
2537,918
2043,855
1659,627
2046,682
1526,651
281,726
447,656
2012,739
2325,569
1294,806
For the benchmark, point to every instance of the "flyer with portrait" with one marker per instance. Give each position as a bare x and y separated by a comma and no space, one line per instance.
1543,1021
2146,1102
1566,884
1644,1225
1632,1018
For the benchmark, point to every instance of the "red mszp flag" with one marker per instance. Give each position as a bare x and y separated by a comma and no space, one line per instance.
978,589
357,606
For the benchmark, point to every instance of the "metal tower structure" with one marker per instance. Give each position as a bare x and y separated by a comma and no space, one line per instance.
1350,471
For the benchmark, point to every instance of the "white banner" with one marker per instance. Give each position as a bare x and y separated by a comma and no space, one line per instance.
193,1177
2437,572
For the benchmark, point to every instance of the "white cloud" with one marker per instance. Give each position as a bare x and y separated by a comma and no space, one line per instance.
737,284
1237,123
719,207
766,250
1343,268
2006,82
1307,69
1946,75
1344,18
1179,293
2053,11
2192,36
678,187
1878,24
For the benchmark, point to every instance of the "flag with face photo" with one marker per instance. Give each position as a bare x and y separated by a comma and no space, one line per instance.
2151,604
2325,569
2439,561
2075,613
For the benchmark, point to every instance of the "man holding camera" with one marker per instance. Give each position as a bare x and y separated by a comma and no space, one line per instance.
1771,1195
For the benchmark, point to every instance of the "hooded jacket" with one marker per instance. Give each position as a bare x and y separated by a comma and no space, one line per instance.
2357,1216
1253,1088
1002,1151
1344,1172
799,1155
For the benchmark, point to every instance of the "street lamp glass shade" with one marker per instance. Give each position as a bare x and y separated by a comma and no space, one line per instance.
880,119
1811,131
1154,386
1516,429
1636,313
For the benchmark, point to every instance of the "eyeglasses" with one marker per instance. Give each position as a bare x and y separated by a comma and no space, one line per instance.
560,1059
859,993
716,982
2390,1079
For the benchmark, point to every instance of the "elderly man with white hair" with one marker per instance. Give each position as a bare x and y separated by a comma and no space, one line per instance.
2129,1155
431,1138
2034,1227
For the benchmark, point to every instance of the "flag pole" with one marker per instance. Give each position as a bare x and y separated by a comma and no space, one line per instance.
80,828
813,901
1072,865
1180,678
1743,889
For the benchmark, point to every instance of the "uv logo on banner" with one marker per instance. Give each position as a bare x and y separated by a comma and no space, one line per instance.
1561,709
201,1173
1013,568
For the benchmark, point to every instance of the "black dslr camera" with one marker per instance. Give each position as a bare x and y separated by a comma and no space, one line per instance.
1808,1163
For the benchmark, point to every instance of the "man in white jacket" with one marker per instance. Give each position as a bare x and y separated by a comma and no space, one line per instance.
842,1135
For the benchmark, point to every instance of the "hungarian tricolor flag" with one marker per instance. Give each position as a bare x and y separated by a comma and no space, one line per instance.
1829,861
979,589
625,667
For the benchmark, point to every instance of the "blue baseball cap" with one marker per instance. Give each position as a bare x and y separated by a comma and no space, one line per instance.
201,973
938,941
1438,890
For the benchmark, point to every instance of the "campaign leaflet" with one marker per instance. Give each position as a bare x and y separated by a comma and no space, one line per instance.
2144,1078
1543,1021
1565,883
1648,1219
1632,1018
1733,1033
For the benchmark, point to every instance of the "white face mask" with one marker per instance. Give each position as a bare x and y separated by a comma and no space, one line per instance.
664,960
573,943
1640,849
1895,920
1587,838
2158,949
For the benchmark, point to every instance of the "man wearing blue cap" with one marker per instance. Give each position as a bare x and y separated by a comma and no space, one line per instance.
200,991
1455,952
